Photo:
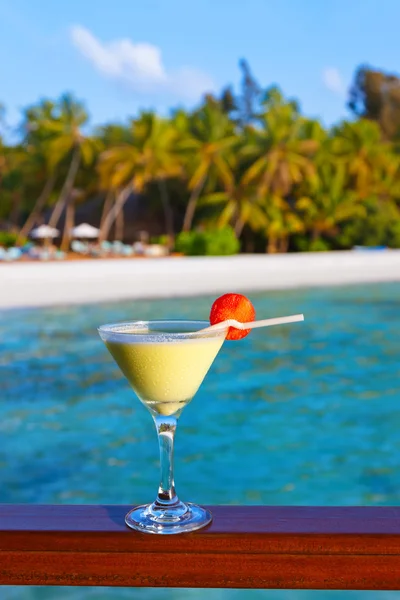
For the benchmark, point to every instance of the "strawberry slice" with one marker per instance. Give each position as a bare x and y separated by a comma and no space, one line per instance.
233,306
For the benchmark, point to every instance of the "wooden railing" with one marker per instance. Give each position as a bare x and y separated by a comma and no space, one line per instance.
244,547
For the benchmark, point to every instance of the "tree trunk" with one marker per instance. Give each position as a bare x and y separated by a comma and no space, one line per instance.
191,205
107,206
69,221
315,234
272,246
249,243
38,207
3,169
119,225
119,203
67,187
168,214
284,244
16,209
239,227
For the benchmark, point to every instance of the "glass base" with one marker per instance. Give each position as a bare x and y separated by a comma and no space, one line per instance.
180,518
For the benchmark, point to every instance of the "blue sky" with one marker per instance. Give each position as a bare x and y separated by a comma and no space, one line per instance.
122,55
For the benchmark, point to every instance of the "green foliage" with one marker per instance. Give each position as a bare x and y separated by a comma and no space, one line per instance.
380,227
243,165
185,242
319,245
159,239
214,242
8,239
394,234
303,243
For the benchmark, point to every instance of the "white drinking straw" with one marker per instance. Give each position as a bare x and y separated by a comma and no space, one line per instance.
254,324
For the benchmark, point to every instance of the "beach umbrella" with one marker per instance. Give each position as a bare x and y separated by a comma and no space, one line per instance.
44,232
85,231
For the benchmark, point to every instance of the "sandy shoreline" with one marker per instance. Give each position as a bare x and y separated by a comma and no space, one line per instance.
81,282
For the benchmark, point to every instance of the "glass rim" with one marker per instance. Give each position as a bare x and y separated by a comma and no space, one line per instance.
124,330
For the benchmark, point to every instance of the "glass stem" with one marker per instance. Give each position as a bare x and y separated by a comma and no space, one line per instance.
166,427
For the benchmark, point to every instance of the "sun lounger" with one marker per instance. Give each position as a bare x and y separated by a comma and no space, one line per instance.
12,254
79,247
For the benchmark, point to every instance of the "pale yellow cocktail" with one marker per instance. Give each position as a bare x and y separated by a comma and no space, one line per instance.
165,375
165,362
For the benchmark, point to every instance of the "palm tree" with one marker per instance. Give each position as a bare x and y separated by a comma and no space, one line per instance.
157,140
207,152
3,161
13,183
238,206
280,157
282,222
110,136
36,138
152,157
359,145
280,153
330,202
68,143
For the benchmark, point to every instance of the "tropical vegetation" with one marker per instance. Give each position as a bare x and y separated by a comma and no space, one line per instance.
245,171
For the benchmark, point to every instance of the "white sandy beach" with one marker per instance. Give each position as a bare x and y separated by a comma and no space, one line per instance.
79,282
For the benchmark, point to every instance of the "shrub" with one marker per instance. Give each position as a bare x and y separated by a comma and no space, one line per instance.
394,234
184,241
214,242
319,245
163,240
305,244
9,239
380,227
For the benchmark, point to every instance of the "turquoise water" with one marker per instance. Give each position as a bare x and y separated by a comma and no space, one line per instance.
306,413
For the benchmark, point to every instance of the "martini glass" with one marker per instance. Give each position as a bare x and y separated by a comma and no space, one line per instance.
165,362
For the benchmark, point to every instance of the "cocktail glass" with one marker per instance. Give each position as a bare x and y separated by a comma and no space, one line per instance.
165,362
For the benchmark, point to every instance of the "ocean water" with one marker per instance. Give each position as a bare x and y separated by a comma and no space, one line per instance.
304,414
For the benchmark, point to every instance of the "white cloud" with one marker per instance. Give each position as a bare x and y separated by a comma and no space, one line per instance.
139,65
333,81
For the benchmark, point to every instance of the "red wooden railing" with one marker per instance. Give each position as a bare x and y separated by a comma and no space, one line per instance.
244,547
